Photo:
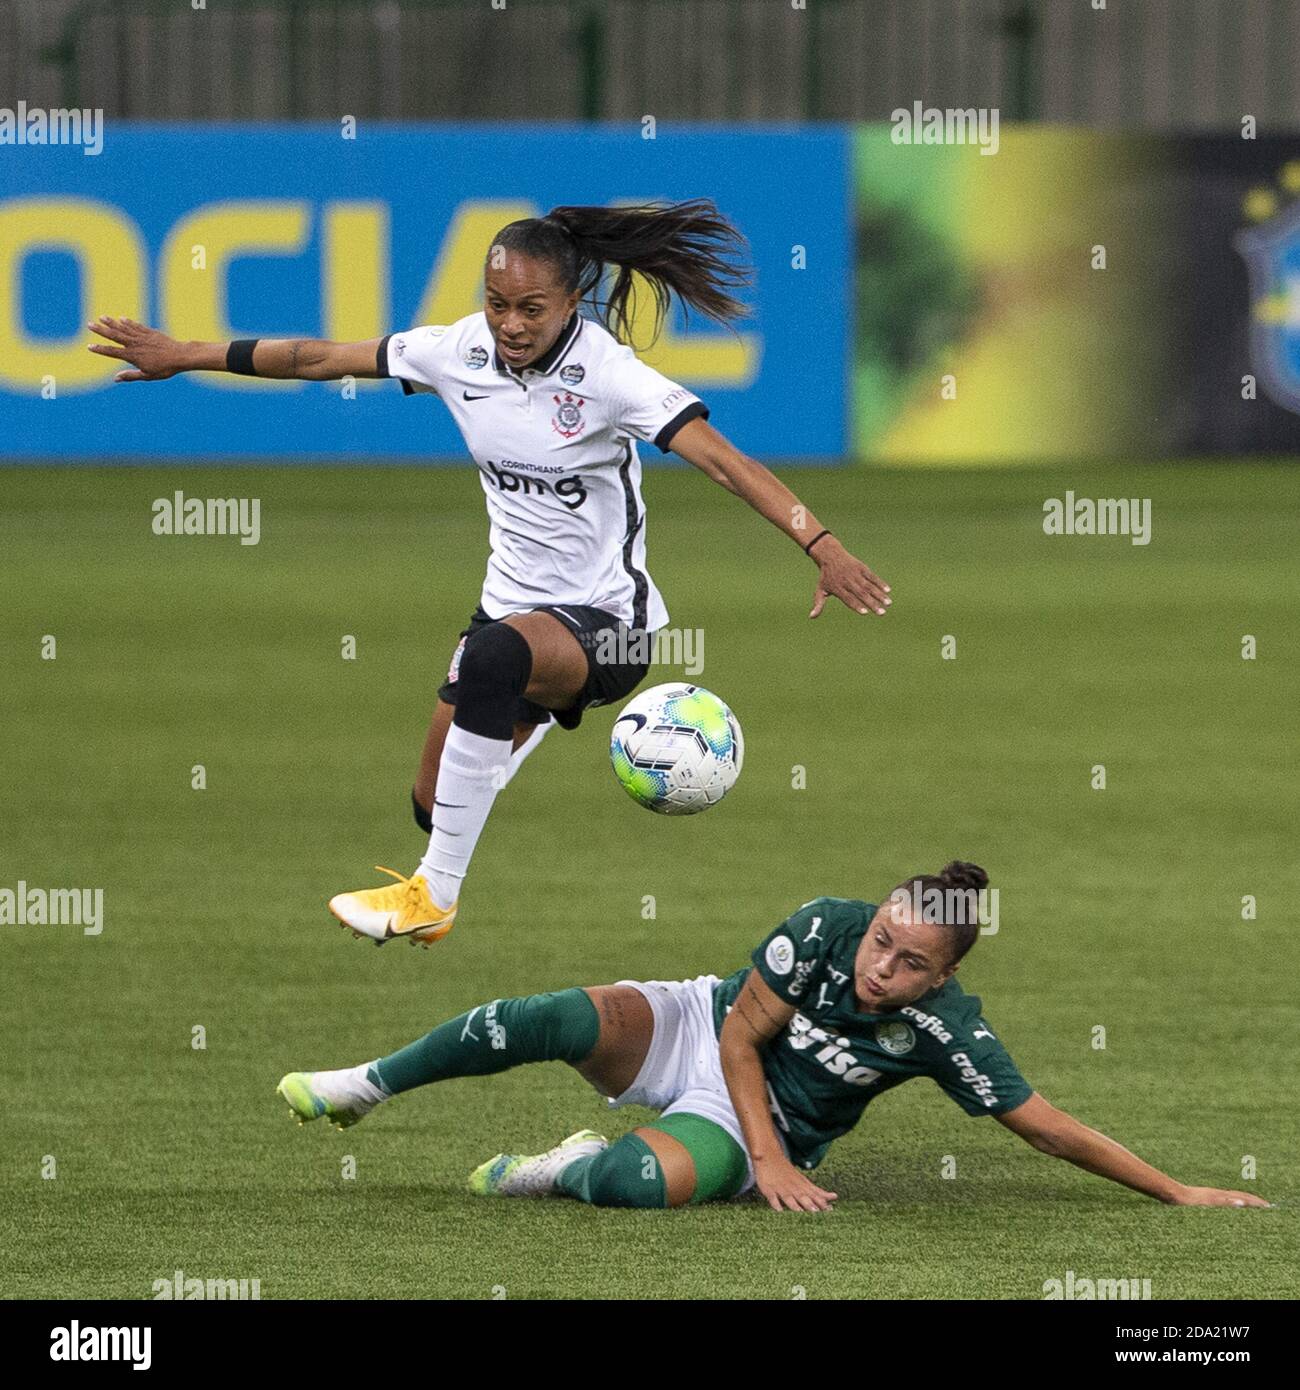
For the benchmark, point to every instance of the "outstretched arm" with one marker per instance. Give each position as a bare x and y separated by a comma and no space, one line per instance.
1052,1131
755,1019
155,357
843,576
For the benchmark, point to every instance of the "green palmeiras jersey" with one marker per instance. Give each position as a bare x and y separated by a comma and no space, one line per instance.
832,1060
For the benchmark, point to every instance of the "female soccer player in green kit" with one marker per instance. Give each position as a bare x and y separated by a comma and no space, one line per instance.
551,405
754,1075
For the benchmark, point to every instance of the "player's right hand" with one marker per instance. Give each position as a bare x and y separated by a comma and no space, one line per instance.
787,1189
153,355
1217,1197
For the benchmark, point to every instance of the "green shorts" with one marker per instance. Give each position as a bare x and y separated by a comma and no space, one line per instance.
720,1167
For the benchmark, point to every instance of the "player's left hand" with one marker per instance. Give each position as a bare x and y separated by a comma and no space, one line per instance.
1216,1197
845,577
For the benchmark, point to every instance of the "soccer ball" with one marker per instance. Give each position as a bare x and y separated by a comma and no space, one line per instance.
677,749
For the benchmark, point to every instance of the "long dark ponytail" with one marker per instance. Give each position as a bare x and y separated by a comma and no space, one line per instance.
688,249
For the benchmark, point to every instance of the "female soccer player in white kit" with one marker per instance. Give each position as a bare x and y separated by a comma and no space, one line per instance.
551,405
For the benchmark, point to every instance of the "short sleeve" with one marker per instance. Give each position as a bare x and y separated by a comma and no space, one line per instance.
788,959
977,1072
416,358
649,406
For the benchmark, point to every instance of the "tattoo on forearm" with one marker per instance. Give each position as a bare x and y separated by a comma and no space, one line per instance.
294,348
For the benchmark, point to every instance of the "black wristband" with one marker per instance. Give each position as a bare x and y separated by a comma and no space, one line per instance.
239,356
807,550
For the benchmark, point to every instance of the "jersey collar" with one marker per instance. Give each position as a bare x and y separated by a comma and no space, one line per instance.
552,357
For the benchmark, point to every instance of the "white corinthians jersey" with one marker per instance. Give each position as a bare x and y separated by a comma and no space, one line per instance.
556,449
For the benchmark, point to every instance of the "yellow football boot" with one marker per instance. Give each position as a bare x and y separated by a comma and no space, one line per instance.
402,910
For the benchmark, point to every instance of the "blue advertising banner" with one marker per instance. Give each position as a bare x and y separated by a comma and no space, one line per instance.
213,232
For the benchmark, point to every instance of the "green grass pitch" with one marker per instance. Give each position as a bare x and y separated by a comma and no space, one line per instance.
1120,908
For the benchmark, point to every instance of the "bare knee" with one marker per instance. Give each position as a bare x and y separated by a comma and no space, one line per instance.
675,1164
559,664
626,1028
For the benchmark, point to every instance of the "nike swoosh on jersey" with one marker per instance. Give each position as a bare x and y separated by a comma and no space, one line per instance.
465,395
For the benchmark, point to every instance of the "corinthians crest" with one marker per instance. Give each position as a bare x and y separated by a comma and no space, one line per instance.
567,420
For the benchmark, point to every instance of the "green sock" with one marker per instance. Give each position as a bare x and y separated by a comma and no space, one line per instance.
559,1027
627,1174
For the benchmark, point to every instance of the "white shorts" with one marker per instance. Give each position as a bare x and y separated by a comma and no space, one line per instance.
682,1071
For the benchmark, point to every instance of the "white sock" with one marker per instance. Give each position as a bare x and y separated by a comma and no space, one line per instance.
527,747
371,1091
471,771
349,1083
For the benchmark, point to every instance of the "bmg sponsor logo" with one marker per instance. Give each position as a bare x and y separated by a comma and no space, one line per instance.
570,490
